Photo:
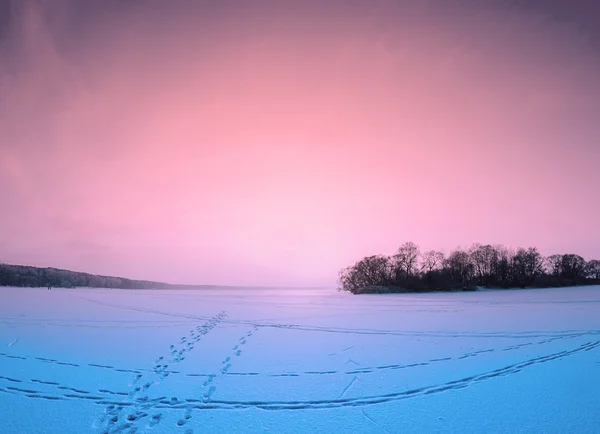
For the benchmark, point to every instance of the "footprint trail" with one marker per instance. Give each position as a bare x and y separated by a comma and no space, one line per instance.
135,412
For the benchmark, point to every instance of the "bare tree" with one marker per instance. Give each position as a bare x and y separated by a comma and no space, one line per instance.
501,270
370,271
534,262
568,266
554,265
459,266
527,265
483,259
592,270
432,260
405,260
573,266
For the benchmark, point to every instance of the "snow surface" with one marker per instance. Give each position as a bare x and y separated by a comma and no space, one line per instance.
298,361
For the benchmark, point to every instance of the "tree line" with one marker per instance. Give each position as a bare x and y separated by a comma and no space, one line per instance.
23,275
489,266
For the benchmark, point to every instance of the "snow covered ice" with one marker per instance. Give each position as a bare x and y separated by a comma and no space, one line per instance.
298,361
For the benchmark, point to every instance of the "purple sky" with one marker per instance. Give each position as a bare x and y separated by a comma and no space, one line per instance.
274,142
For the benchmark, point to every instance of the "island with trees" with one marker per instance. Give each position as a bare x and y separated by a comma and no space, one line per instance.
480,266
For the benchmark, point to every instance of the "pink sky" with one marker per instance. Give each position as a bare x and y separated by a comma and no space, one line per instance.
272,143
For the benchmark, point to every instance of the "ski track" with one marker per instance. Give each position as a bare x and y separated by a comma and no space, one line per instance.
357,371
370,419
405,333
348,387
124,411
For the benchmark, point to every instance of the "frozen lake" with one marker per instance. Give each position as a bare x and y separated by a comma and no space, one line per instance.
298,361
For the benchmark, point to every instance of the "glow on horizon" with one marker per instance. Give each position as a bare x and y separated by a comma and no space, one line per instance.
272,144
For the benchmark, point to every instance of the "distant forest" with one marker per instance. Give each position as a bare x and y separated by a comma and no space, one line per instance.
22,275
489,266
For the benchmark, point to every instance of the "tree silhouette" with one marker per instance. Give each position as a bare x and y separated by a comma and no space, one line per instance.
484,265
